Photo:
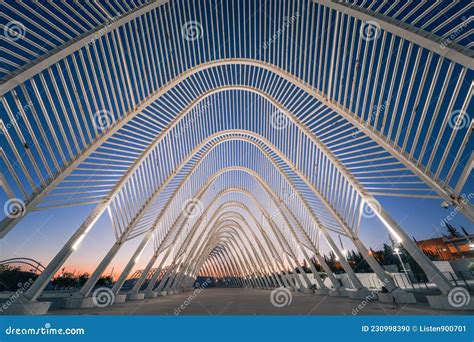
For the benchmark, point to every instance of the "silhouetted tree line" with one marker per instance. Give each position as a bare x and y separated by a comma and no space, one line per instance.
12,278
68,280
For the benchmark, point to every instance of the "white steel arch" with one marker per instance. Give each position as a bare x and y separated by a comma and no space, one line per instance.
411,165
148,82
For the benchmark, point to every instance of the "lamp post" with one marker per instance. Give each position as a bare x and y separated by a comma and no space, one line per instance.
397,252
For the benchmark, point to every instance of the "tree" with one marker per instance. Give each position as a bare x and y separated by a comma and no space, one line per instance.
316,264
389,257
464,231
68,280
12,278
332,262
81,279
452,231
358,263
65,280
105,281
431,255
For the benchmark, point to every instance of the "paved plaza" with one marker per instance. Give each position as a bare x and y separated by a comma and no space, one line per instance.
217,302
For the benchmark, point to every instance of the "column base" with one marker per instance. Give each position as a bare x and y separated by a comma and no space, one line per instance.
79,303
340,292
170,293
321,292
308,291
136,296
360,294
162,293
400,297
25,309
120,298
443,303
151,294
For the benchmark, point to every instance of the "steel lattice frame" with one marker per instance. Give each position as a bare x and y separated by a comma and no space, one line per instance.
176,107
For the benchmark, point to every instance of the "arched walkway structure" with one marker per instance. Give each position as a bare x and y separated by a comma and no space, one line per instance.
234,136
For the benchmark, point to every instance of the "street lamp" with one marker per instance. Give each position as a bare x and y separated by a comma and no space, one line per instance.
397,252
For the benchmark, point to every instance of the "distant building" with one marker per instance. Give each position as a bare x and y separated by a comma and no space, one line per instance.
448,248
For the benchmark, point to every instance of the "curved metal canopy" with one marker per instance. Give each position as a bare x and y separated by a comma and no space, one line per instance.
234,135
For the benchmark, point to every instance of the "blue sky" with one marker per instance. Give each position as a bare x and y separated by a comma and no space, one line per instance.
41,234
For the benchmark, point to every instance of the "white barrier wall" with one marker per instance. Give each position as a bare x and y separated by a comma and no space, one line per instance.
369,280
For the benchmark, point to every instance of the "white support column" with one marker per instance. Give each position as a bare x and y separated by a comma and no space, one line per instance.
360,291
